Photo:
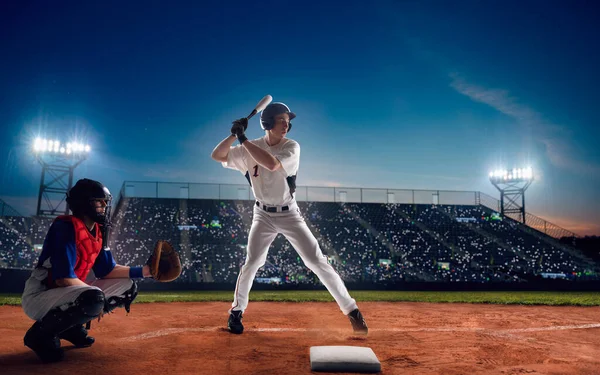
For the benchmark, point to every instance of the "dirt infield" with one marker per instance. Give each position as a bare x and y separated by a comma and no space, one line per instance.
408,338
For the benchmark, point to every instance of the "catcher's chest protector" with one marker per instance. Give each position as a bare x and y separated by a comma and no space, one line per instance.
88,246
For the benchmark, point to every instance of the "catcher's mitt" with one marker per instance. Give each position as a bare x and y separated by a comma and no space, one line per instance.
164,262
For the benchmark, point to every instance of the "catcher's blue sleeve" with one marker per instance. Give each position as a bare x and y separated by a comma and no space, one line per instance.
59,247
104,264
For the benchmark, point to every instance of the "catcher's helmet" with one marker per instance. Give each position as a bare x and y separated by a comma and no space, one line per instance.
267,116
81,200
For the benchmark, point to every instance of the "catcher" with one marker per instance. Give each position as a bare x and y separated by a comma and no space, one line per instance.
56,294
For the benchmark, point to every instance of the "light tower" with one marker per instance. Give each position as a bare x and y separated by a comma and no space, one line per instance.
58,162
512,185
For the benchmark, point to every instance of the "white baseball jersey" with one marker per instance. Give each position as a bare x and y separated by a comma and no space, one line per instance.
269,188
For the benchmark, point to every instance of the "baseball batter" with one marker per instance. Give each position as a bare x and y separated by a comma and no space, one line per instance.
56,295
270,165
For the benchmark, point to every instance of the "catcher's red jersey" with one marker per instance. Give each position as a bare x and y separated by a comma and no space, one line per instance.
88,246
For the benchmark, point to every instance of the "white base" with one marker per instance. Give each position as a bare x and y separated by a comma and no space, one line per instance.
343,359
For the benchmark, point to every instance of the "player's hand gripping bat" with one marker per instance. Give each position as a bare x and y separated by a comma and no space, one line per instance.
239,126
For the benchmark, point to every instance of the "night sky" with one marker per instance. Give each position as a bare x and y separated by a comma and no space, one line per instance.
389,94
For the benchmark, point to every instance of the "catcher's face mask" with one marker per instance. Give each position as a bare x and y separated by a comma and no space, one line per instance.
92,199
101,210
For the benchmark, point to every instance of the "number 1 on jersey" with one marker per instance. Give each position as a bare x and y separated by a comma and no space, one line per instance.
255,171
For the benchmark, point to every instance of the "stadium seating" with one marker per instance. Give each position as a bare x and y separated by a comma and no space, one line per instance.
365,242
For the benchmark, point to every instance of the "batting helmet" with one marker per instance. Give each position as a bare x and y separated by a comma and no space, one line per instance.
81,200
267,116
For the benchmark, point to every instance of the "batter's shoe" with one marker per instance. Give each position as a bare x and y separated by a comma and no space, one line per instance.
235,322
44,344
358,322
77,335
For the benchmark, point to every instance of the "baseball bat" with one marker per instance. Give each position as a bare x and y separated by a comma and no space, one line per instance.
260,106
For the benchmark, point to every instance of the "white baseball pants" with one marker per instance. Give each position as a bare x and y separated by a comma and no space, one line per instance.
265,227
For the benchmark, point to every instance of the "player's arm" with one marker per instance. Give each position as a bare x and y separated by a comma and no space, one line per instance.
262,157
105,267
221,152
123,272
289,158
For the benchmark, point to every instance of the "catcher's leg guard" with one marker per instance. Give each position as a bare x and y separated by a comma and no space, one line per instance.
124,300
86,307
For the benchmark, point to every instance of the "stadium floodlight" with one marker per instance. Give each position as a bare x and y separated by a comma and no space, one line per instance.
51,146
512,175
58,160
512,184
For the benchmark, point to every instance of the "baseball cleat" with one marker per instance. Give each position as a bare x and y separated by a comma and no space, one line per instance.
235,322
77,335
45,345
358,322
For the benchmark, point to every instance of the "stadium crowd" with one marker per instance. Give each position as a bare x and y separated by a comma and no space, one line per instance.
365,242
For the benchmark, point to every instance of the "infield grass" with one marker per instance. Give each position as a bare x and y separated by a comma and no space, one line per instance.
505,298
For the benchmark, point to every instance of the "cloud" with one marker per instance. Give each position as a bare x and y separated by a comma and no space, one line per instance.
578,226
555,138
314,172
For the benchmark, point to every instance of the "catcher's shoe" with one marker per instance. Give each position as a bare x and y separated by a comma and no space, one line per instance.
235,322
44,344
77,335
358,322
